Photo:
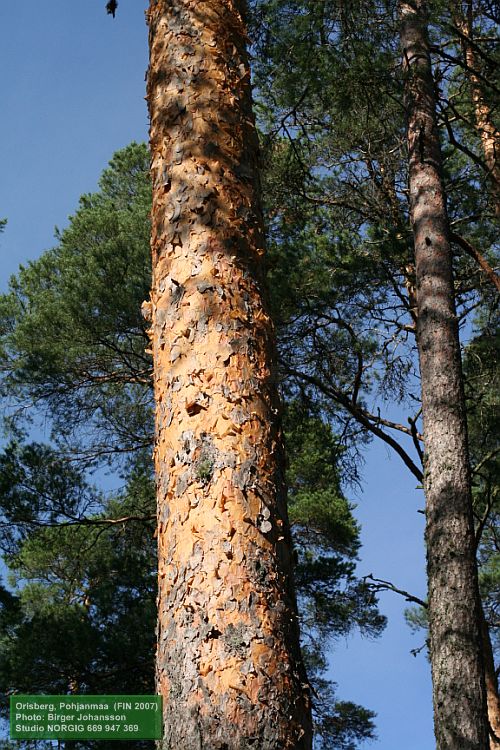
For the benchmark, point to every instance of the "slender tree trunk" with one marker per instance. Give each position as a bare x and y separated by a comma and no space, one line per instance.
228,660
460,715
492,697
488,133
490,143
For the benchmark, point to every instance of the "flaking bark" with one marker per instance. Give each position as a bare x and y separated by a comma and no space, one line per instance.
228,661
460,715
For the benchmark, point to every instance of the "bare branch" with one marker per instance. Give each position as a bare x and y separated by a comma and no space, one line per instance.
416,438
380,585
361,417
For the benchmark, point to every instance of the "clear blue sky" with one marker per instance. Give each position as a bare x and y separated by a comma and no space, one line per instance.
72,93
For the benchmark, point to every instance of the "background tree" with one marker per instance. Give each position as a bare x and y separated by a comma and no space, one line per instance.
473,25
343,152
459,692
481,376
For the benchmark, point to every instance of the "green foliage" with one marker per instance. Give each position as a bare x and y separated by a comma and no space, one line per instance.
332,600
38,487
337,173
83,616
416,617
72,344
344,729
481,366
335,162
325,533
72,338
333,124
316,503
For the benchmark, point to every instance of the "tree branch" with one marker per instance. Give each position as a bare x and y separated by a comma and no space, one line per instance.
464,149
79,522
361,417
380,585
478,257
416,438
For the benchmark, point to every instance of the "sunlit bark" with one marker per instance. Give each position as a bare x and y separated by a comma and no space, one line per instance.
488,133
228,662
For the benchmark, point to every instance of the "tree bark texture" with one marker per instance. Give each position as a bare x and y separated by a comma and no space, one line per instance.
460,715
488,133
492,697
490,142
228,660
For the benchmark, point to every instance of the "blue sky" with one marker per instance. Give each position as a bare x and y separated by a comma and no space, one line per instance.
72,90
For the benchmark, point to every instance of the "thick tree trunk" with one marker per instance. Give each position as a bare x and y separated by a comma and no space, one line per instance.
460,714
488,133
228,661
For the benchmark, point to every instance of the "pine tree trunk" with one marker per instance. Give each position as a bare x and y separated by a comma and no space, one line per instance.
488,133
492,697
228,660
490,143
460,715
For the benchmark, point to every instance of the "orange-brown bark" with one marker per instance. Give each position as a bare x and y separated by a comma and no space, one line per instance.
488,133
228,662
480,259
492,697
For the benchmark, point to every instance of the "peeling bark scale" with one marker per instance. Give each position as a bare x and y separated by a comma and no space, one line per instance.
460,715
228,660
